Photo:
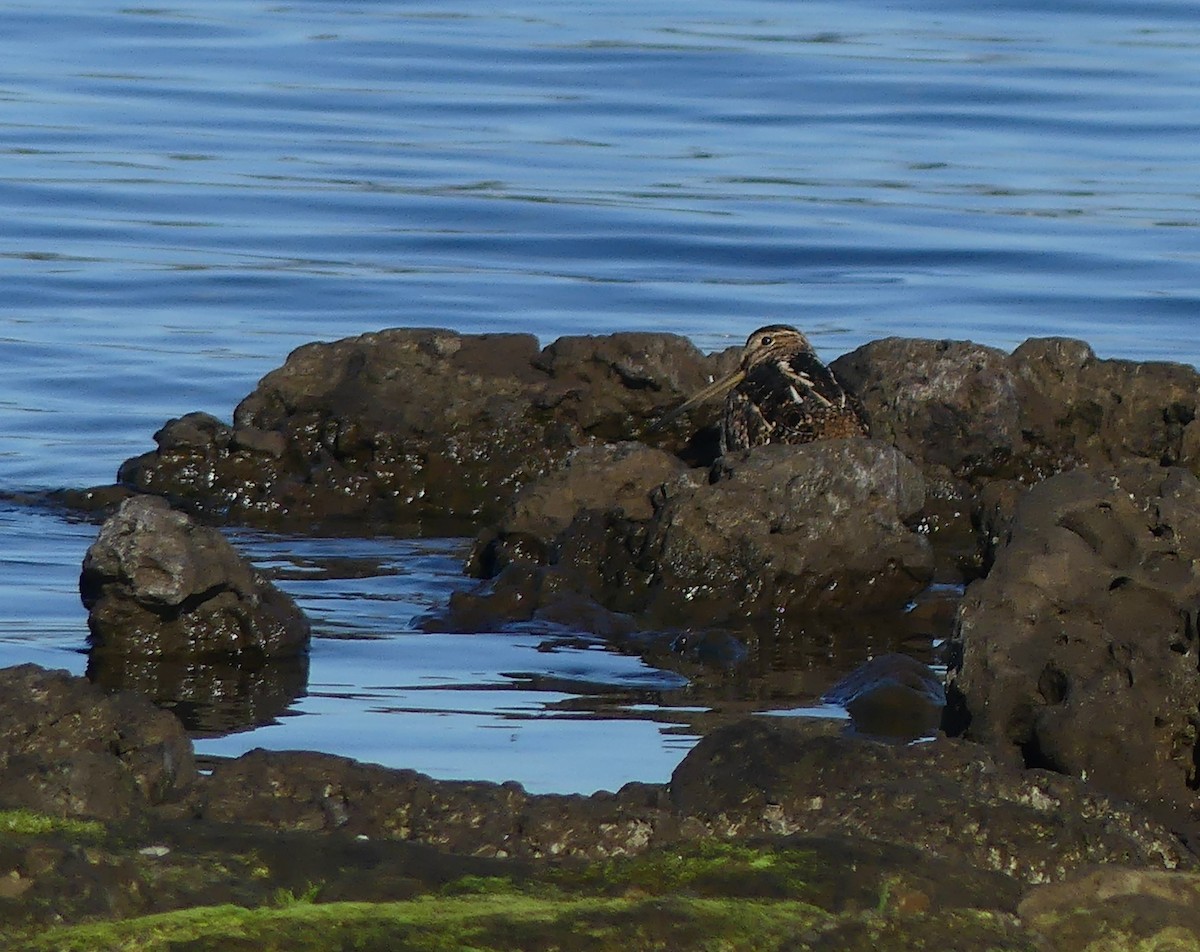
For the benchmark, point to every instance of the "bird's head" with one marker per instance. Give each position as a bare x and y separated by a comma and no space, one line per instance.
767,343
771,343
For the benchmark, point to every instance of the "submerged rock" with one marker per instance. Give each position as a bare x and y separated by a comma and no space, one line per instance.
1079,650
891,695
157,585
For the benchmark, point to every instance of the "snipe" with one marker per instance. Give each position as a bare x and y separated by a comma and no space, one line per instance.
781,393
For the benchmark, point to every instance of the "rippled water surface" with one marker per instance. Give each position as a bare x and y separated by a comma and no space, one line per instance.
190,191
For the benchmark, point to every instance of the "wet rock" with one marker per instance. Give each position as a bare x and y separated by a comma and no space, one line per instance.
947,798
978,414
1079,650
157,585
608,477
780,529
789,528
412,431
69,749
891,695
320,792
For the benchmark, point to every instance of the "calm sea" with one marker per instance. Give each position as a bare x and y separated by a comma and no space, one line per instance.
190,191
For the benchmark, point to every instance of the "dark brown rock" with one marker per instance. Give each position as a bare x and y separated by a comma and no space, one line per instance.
1079,650
813,527
979,414
607,477
1079,409
158,585
68,748
952,404
411,431
947,798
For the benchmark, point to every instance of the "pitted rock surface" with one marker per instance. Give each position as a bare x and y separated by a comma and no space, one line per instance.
1079,651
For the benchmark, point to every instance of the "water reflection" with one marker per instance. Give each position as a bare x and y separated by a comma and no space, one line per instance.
211,697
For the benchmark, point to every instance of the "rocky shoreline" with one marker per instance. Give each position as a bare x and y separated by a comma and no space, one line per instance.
1061,490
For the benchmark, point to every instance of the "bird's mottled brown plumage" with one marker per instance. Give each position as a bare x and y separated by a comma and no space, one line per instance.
781,393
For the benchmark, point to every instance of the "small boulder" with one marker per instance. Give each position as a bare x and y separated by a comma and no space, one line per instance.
158,585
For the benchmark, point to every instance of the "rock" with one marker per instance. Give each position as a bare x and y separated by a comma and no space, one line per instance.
412,431
605,477
947,798
1116,907
1079,650
789,528
157,585
979,414
290,791
1077,409
952,404
69,749
780,529
755,779
891,695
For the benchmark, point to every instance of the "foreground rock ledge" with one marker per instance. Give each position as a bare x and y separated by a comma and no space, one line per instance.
838,840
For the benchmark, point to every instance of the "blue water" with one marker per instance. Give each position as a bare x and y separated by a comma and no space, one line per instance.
191,191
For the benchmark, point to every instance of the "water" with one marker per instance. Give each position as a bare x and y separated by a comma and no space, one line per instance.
191,191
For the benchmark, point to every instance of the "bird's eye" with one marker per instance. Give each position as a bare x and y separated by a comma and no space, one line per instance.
767,340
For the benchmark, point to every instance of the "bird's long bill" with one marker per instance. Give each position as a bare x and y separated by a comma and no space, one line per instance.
716,389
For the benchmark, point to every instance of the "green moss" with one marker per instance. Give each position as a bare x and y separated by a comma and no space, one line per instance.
28,823
491,922
708,868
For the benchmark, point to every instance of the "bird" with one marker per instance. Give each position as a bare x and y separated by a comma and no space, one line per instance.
780,393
